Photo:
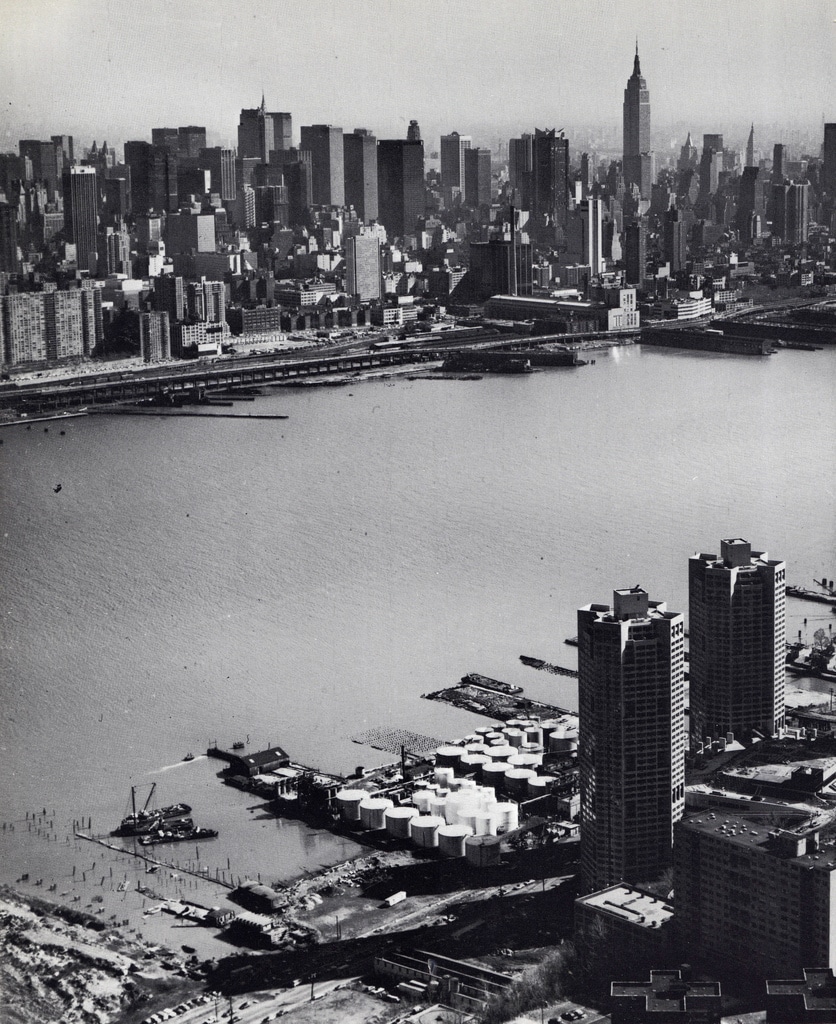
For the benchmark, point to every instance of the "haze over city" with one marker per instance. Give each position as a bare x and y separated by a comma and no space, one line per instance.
492,66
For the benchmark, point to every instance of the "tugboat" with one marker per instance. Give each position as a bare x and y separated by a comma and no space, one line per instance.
238,745
189,756
138,822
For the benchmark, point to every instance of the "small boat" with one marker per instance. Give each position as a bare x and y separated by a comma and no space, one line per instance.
238,745
57,488
189,756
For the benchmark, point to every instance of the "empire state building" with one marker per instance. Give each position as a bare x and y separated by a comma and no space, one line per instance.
637,159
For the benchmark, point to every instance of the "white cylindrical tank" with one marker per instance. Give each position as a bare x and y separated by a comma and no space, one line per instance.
372,810
514,736
562,741
533,734
422,799
502,752
483,730
525,760
548,728
477,748
514,723
348,802
451,840
540,785
423,830
531,748
485,824
448,756
482,851
516,782
397,819
507,816
443,776
437,805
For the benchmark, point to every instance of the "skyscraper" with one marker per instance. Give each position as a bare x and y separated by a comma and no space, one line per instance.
261,132
221,166
360,166
477,177
750,201
81,214
191,139
453,147
400,176
798,213
635,252
584,236
750,148
829,150
325,144
520,167
8,239
550,181
674,240
736,619
777,163
637,163
631,743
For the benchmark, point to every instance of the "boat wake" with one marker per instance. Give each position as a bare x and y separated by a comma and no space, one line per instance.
177,764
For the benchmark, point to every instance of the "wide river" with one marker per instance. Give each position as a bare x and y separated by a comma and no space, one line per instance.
300,581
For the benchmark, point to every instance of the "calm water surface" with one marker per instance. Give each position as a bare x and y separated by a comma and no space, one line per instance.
298,581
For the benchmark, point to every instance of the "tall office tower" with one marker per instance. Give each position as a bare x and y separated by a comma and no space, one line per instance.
635,252
711,163
750,148
325,144
162,180
166,138
501,266
688,156
798,213
736,619
453,147
587,175
759,898
584,239
65,144
777,163
261,132
64,324
44,163
400,178
24,328
138,160
637,164
298,178
631,741
477,177
750,200
117,199
154,336
779,203
829,151
362,255
550,181
220,163
169,296
360,166
191,139
413,132
675,240
9,263
81,214
713,140
520,166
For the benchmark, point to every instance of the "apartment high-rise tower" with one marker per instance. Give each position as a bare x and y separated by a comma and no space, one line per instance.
631,745
636,110
737,635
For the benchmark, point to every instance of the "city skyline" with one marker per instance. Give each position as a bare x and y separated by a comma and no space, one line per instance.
369,67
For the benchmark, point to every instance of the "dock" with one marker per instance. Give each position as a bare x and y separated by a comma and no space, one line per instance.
126,410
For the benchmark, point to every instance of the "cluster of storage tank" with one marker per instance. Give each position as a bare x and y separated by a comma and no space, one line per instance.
475,793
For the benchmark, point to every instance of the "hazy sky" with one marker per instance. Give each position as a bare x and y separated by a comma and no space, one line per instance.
117,68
